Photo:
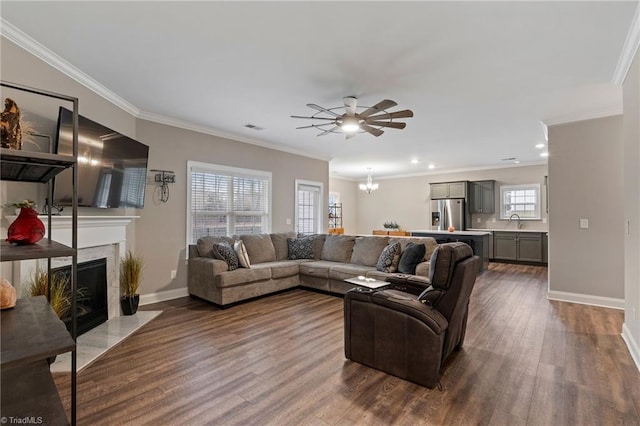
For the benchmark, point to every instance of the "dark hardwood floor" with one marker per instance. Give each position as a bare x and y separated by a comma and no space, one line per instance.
279,361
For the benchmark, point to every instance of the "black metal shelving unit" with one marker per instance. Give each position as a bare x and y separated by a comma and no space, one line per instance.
31,333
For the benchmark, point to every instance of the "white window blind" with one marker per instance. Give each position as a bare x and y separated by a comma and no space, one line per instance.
523,200
227,201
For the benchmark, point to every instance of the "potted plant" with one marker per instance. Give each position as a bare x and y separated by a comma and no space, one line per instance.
130,276
60,295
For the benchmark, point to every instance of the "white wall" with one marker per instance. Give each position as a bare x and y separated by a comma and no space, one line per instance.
631,128
585,182
349,198
406,200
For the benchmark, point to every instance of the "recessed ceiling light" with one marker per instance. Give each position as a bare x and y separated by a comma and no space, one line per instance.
415,161
540,146
517,161
544,154
432,166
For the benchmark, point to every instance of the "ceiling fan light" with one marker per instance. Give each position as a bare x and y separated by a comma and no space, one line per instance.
350,125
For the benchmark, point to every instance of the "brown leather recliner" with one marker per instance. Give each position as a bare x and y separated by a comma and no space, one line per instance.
411,336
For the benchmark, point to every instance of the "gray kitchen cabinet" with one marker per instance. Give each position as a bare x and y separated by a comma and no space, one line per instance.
482,196
505,246
518,246
438,191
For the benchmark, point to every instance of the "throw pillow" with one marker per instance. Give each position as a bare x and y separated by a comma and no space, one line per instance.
411,256
389,258
224,251
241,252
300,248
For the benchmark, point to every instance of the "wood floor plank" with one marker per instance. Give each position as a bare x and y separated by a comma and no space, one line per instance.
280,360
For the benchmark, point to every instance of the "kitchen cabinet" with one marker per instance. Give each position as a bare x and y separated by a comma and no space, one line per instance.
518,246
448,190
482,196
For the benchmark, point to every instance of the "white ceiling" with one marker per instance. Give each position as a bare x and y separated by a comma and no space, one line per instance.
479,76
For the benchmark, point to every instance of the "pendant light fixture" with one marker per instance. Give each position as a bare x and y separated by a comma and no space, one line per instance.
369,186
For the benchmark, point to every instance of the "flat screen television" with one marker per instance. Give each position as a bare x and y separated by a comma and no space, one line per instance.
112,168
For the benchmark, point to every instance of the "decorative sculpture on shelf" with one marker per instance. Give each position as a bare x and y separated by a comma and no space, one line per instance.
27,228
10,130
7,294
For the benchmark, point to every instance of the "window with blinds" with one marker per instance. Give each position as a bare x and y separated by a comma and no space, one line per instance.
227,201
523,200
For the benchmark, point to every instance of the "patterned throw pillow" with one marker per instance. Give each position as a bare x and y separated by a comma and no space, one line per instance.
241,252
389,258
300,248
224,251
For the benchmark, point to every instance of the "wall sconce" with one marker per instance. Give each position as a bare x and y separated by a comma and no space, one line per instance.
163,178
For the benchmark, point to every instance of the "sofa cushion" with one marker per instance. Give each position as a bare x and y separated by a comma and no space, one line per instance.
283,268
279,241
241,252
389,258
224,251
366,250
317,268
338,248
259,247
242,276
205,245
429,243
411,256
348,270
300,248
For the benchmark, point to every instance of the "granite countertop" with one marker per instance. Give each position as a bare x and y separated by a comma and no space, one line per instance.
476,233
509,230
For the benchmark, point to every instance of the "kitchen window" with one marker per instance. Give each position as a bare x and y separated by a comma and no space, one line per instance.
223,201
523,200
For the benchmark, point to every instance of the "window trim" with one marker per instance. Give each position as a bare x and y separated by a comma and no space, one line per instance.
538,206
198,166
320,207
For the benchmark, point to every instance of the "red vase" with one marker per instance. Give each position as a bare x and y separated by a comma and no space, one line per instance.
27,228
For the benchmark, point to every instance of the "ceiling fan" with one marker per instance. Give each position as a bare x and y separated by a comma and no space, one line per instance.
369,119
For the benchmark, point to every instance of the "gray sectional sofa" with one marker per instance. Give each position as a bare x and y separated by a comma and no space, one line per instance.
335,258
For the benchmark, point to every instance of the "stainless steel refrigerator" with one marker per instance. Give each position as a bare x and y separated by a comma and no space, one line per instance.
445,213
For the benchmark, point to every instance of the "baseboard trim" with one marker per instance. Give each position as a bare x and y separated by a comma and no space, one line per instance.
162,296
586,299
632,345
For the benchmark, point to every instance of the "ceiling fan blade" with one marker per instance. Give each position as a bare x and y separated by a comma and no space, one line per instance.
380,106
318,126
313,118
407,113
319,108
392,124
328,131
372,130
350,104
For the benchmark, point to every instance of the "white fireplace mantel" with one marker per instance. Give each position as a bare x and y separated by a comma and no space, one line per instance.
92,230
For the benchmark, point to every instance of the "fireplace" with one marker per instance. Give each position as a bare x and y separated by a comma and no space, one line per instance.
91,297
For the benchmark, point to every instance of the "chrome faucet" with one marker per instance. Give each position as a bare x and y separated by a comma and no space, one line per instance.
518,216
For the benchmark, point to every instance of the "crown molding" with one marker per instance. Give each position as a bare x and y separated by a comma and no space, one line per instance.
629,49
436,172
186,125
22,40
581,116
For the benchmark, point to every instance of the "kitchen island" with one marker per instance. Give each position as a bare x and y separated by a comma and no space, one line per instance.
478,240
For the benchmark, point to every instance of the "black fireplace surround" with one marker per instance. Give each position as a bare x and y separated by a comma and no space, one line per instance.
91,298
